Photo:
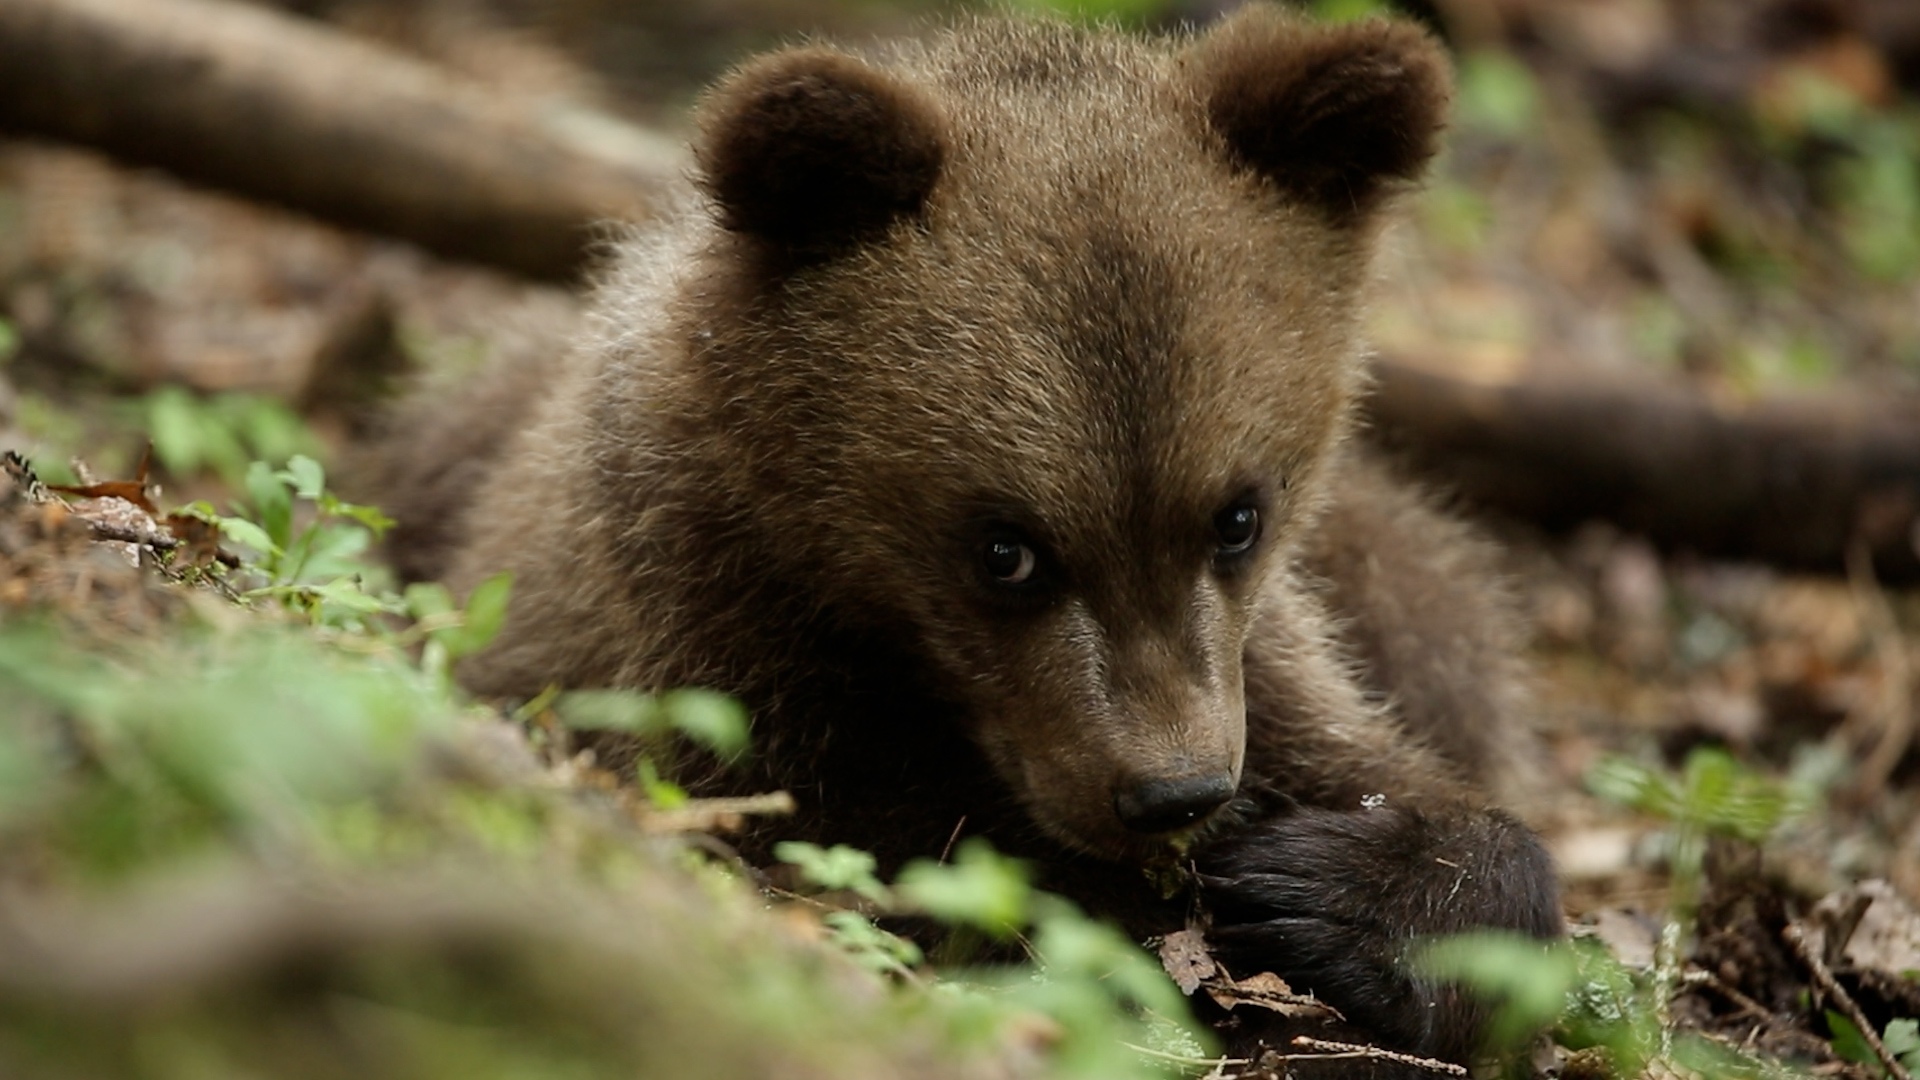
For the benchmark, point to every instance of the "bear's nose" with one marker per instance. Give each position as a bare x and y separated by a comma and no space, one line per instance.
1158,806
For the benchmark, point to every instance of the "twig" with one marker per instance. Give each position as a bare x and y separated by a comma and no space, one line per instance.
103,530
1324,1048
951,839
1185,1059
698,815
1796,937
772,802
1747,1006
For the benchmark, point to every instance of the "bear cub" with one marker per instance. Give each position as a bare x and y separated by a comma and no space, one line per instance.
983,420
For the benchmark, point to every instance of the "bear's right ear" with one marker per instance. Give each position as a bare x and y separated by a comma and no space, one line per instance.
813,150
1335,116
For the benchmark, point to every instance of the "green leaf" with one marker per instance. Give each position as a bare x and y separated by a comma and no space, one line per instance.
242,531
870,946
270,430
331,551
272,504
1527,979
173,425
1723,796
371,517
1071,945
306,476
609,710
1696,1055
1632,785
428,599
834,868
980,888
9,341
1849,1044
484,615
662,793
343,602
1902,1038
1713,792
711,719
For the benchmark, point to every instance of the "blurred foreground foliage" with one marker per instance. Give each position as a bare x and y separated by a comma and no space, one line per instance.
274,839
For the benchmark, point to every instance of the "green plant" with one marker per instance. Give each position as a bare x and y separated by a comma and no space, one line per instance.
1878,191
259,758
217,736
711,720
1576,988
1901,1037
227,433
979,889
311,547
240,750
1116,1011
1573,987
1711,795
445,630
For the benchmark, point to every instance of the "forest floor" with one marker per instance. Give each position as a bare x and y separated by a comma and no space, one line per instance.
1729,749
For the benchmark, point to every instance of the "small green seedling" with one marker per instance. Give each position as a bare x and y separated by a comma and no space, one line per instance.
1901,1037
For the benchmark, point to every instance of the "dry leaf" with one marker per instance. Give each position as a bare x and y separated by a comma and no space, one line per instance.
1184,954
1887,935
1267,991
133,491
199,542
1630,937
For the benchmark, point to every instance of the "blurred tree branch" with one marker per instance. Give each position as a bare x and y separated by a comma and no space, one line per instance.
1795,480
284,110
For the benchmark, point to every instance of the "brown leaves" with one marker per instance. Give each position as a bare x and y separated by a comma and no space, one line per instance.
1184,954
1187,960
52,557
122,513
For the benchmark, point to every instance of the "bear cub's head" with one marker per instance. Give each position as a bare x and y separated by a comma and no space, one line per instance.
1031,345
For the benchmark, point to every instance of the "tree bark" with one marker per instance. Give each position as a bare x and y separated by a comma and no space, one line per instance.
283,110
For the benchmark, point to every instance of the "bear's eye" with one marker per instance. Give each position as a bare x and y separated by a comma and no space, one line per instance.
1236,528
1009,561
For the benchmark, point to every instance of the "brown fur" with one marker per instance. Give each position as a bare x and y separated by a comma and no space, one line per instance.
1089,294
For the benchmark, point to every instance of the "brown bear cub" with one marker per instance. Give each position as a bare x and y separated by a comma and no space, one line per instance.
983,422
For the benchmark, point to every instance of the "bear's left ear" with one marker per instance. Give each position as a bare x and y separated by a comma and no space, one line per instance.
1336,116
813,150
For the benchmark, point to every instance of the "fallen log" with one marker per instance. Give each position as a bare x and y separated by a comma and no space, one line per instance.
284,110
1796,481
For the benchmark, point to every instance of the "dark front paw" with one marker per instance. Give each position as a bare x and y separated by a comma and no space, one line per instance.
1332,902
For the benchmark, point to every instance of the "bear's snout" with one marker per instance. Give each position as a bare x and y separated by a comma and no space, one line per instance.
1167,805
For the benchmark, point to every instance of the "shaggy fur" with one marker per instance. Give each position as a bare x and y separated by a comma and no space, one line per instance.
1031,290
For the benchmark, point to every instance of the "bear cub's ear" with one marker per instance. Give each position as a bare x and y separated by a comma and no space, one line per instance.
1336,116
813,150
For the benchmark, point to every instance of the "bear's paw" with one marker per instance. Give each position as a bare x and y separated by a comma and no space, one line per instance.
1336,901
